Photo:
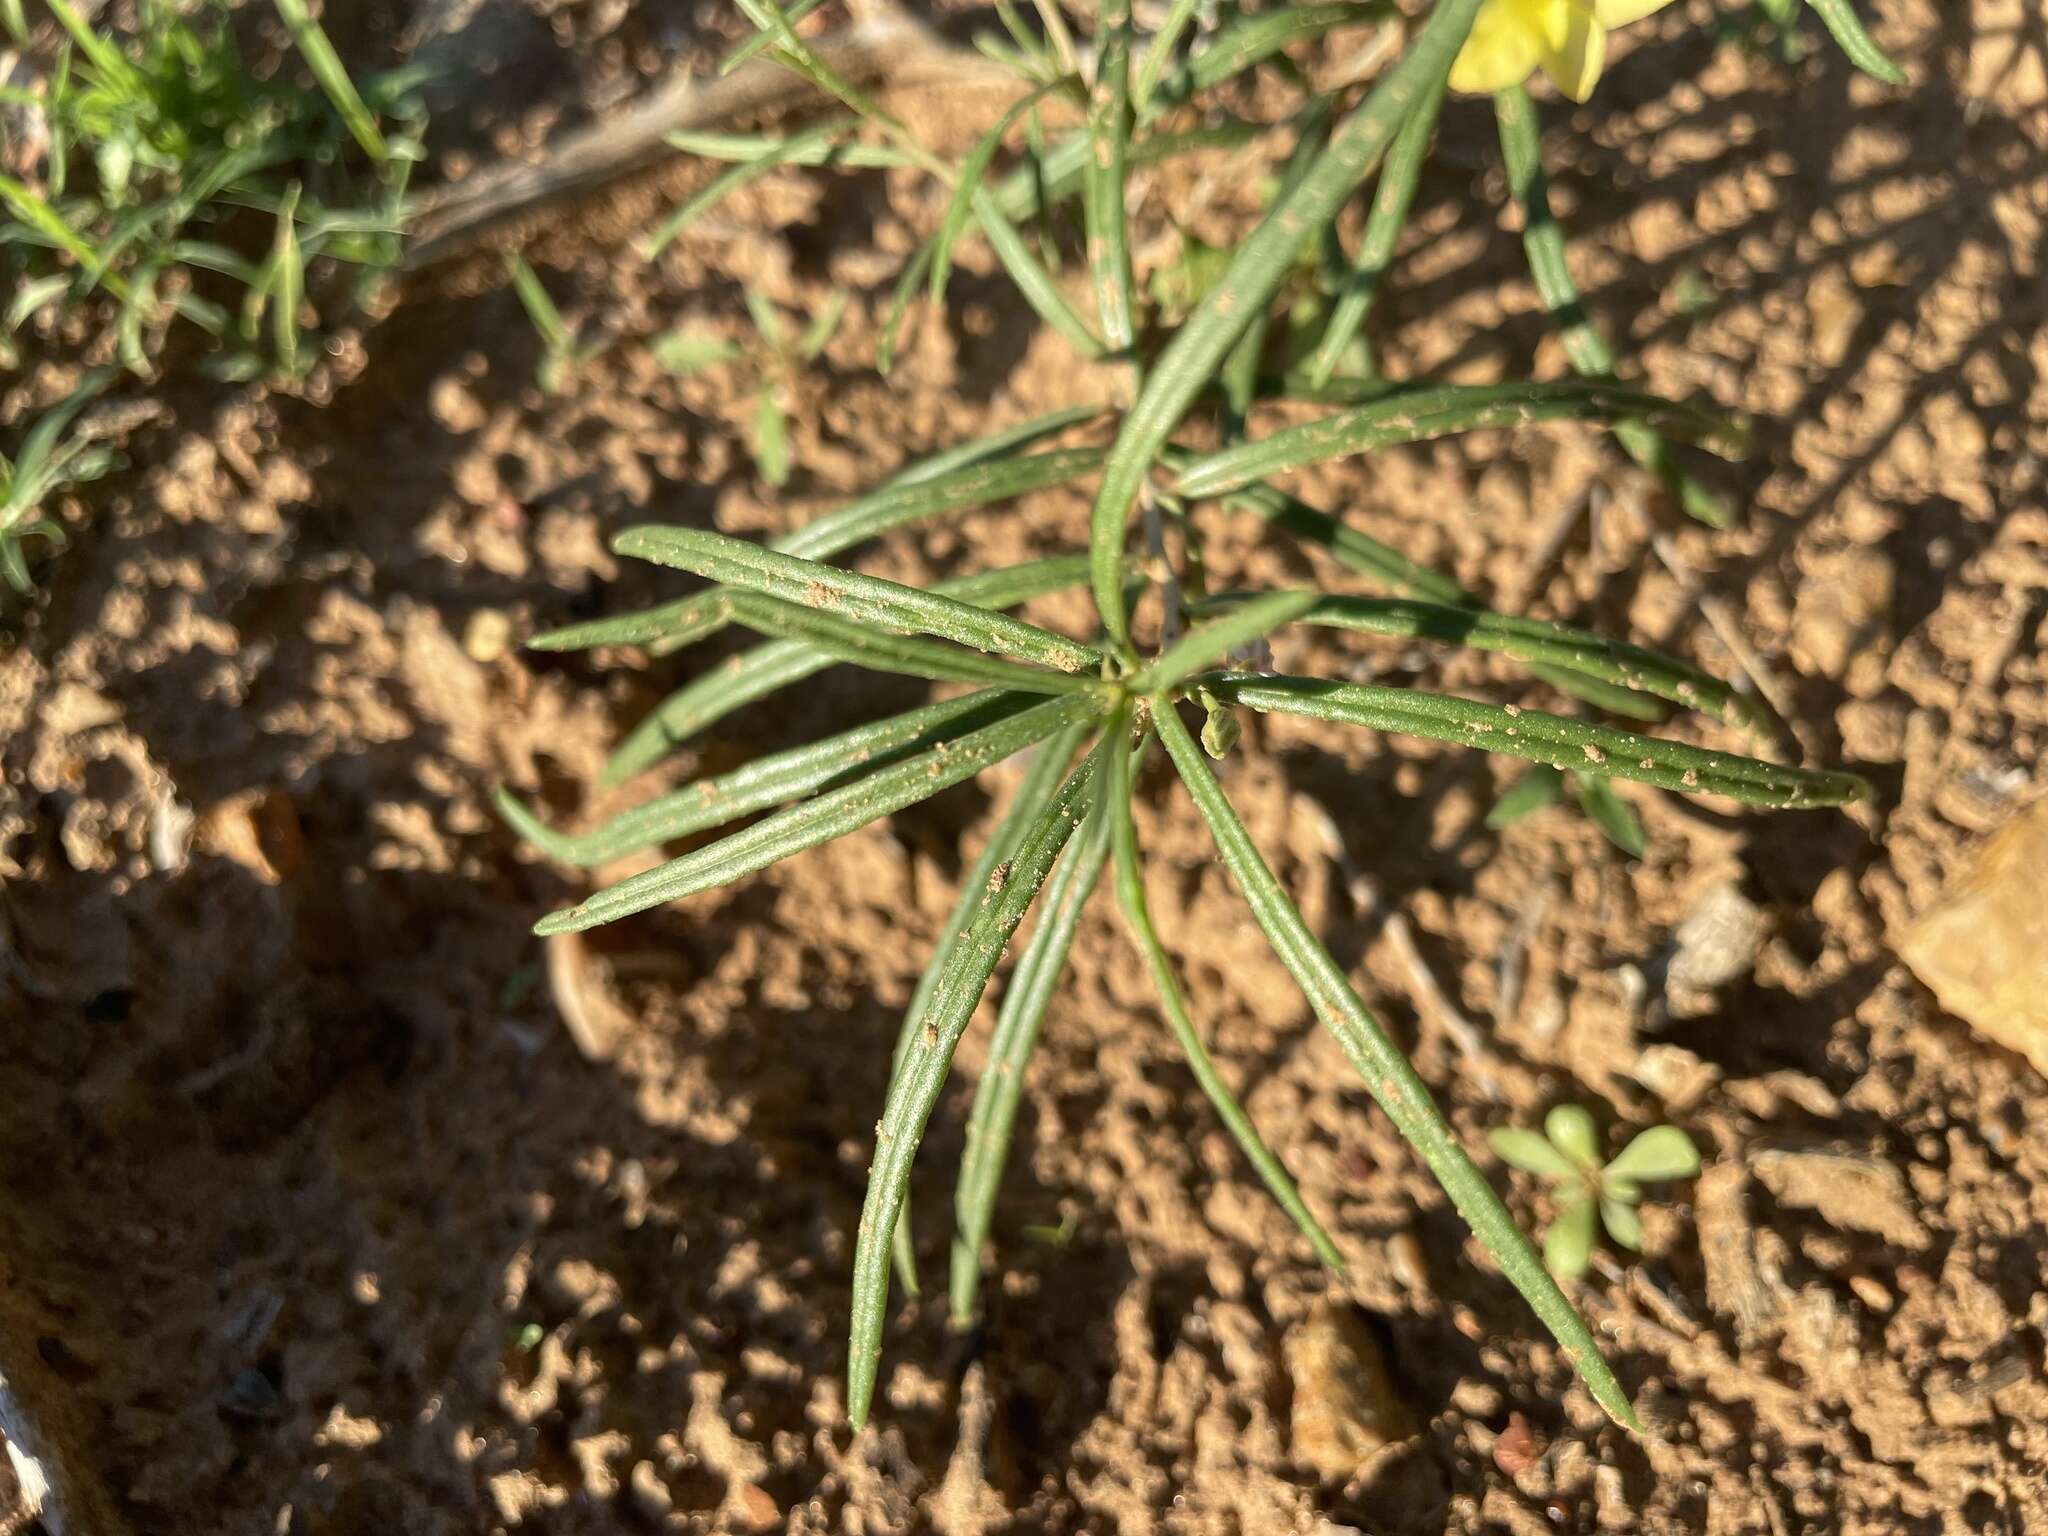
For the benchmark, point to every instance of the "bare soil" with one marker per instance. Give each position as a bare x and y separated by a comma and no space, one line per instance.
318,1220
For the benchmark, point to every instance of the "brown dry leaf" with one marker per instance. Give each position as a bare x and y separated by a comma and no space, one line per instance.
1982,948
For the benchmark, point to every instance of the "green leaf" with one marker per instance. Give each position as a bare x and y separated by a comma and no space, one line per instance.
799,56
1543,738
1662,1152
819,820
866,599
1391,201
1247,41
1159,51
798,146
1571,1130
879,651
1105,218
1534,790
915,1087
1386,1072
962,204
1623,1222
1584,346
770,439
1614,816
1846,28
1047,767
686,352
760,672
992,1121
1351,549
1568,1245
765,38
1137,910
1417,415
1191,360
777,779
1530,1152
823,324
738,148
332,76
1206,644
1555,647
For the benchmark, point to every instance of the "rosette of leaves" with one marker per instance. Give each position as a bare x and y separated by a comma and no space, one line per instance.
1588,1192
1089,708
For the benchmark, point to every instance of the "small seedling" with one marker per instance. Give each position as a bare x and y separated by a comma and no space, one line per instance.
563,351
1568,1154
155,179
1544,785
769,370
52,456
1088,707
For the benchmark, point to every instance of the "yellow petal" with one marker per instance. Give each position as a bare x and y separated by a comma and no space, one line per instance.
1574,51
1619,13
1501,51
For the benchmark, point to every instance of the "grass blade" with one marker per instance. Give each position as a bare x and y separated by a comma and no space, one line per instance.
846,640
1846,28
1555,646
1577,745
915,1088
1387,1074
332,76
869,599
1584,346
778,779
1262,262
1417,415
993,1120
764,670
1130,886
821,819
1159,51
1048,765
1391,200
1206,644
1105,219
818,140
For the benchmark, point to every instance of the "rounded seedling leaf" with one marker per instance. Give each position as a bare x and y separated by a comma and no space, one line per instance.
1623,1222
1531,1153
1661,1152
1568,1245
1571,1131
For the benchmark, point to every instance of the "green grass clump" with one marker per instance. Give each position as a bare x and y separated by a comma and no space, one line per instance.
170,185
1089,709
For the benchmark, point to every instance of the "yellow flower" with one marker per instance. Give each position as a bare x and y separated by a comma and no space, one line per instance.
1567,38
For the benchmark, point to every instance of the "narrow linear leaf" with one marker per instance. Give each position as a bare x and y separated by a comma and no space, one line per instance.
1105,220
1847,29
798,55
996,445
817,140
777,779
1137,909
852,595
1042,776
1558,647
1250,40
1542,786
332,76
821,819
1614,816
915,1088
765,38
1413,416
1207,644
1386,1072
757,673
1262,262
739,148
862,645
1575,745
1391,201
961,206
1159,51
1584,346
993,1119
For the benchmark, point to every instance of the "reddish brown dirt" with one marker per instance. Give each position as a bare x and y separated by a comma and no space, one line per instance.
317,1221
